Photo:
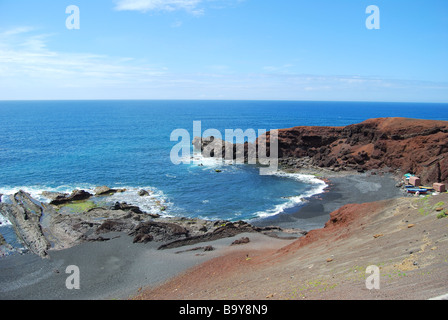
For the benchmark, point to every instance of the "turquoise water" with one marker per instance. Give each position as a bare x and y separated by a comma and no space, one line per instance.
63,145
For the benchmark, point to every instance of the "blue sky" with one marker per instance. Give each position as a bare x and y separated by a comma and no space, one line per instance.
225,49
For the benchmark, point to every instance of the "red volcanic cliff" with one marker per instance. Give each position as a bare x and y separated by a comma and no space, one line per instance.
411,145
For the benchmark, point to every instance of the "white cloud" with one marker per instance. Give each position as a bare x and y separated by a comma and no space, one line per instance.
31,69
15,31
191,6
26,62
177,24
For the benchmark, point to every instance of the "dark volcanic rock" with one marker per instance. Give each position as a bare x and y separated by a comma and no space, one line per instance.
243,240
54,195
143,193
158,231
104,190
5,247
115,226
126,207
41,227
230,229
25,213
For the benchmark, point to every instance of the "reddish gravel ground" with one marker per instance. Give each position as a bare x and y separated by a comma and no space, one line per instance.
403,237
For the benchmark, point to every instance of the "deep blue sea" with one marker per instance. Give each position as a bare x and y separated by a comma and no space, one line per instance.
64,145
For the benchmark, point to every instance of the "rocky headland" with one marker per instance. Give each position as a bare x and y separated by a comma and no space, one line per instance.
398,145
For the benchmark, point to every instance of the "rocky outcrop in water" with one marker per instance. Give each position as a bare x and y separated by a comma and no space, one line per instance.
25,213
106,191
76,195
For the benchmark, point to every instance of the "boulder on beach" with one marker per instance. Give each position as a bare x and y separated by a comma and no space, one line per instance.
158,231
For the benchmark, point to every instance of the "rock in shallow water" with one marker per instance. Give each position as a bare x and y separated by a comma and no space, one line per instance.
104,190
76,195
143,193
25,213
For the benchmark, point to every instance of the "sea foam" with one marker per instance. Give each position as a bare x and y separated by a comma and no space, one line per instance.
319,187
151,204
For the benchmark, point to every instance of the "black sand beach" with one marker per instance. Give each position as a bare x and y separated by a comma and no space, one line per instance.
113,270
342,189
117,269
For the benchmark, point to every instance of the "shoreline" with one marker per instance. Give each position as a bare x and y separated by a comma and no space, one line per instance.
342,188
117,269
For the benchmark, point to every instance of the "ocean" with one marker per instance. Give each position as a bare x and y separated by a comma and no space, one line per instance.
67,145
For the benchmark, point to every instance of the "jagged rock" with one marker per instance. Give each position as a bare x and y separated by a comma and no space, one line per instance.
126,207
159,231
42,228
243,240
114,226
205,249
104,190
93,238
143,193
76,195
143,238
54,195
25,213
5,247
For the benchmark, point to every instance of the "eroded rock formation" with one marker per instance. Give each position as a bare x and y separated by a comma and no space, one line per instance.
44,227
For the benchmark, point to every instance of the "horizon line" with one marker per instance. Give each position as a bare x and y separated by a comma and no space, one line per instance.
223,100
